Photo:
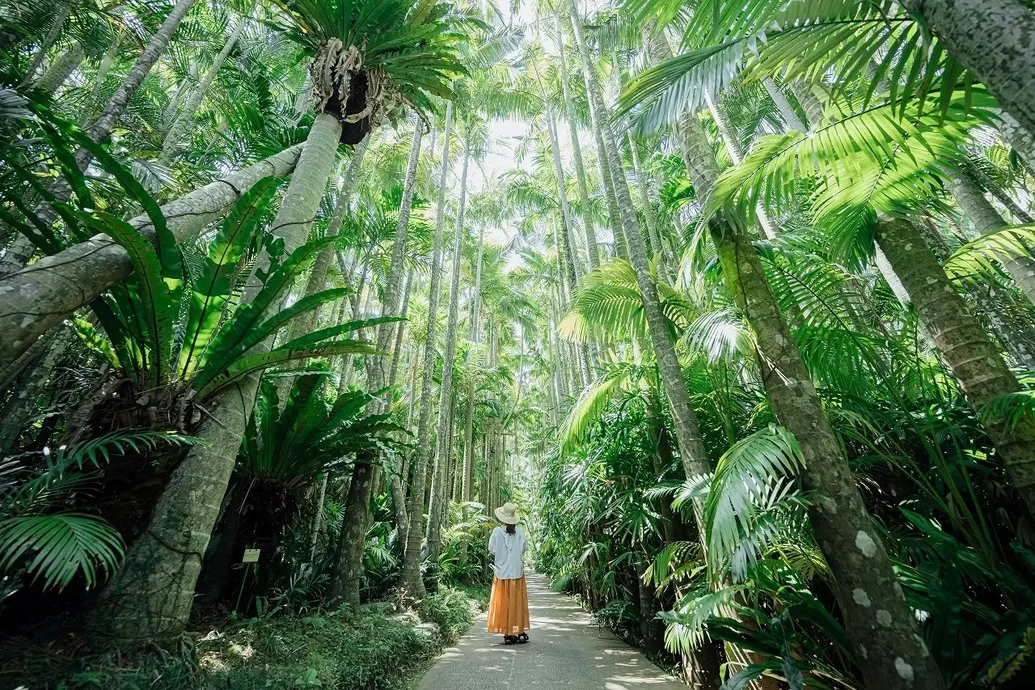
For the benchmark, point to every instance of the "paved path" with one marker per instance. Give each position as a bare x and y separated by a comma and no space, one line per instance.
566,651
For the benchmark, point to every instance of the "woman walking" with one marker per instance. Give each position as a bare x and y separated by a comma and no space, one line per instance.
508,605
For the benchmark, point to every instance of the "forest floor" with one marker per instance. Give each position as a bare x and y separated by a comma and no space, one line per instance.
346,649
566,649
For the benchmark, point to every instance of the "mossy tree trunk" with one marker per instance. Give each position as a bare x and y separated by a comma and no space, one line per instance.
964,346
879,622
993,39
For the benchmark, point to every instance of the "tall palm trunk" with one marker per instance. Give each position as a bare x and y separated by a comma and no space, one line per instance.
992,38
970,197
318,275
61,69
865,580
409,577
36,299
64,10
366,472
964,345
103,68
691,447
878,620
178,131
444,434
592,248
151,595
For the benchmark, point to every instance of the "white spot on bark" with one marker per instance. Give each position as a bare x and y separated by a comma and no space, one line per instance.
862,652
905,671
923,647
26,322
865,544
884,618
861,597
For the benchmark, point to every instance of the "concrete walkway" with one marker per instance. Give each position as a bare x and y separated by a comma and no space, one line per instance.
566,651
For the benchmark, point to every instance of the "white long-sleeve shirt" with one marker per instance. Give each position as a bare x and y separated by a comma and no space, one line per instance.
508,550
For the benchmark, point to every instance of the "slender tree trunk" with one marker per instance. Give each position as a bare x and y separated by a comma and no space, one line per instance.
17,413
38,298
410,577
321,497
445,400
366,473
151,595
61,69
783,106
987,220
992,38
64,9
657,248
963,344
180,128
566,237
592,248
103,68
691,447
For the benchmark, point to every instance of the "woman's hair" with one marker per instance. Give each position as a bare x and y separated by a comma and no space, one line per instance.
511,529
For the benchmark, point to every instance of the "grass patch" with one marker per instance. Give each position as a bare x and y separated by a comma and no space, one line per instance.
351,649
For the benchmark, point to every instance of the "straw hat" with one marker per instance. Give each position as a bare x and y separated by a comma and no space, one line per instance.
507,514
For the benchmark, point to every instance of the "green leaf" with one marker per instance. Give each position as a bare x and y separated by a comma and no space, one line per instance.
212,289
152,298
57,548
250,364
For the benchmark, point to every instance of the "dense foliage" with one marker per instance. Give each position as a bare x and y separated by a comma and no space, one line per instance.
736,298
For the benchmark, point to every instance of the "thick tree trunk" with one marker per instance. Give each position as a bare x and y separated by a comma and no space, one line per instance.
444,435
410,577
963,344
39,297
878,620
180,128
151,595
318,275
993,39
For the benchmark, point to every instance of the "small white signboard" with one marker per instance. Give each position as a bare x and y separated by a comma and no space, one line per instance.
250,556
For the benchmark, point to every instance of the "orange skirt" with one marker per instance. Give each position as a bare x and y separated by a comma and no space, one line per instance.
508,607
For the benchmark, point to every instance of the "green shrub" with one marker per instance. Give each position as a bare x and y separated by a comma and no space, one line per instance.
450,610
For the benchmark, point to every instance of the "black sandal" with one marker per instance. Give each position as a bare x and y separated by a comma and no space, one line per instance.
509,639
522,638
